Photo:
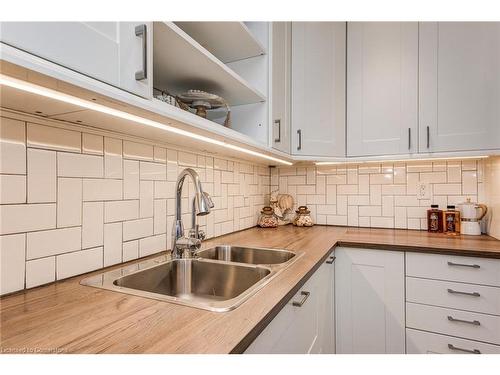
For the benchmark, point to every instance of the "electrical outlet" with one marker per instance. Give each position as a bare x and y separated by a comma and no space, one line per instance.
423,190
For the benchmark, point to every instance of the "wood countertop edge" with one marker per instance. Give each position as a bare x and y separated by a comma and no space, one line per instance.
419,249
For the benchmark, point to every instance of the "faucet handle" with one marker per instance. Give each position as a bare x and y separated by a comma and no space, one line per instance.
197,233
188,243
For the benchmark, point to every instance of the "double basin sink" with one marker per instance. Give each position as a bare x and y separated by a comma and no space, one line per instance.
217,279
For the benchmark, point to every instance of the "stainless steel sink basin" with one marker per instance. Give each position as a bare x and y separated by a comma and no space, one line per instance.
247,255
214,281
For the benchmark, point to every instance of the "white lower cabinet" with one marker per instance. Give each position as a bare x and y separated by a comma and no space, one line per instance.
369,301
305,324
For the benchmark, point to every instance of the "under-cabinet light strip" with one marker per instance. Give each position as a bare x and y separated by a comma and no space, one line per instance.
381,161
52,94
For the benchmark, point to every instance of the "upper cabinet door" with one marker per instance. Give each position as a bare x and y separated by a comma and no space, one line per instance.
281,64
382,84
318,88
111,52
459,86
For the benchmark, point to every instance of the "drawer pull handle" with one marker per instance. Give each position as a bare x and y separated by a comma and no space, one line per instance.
464,265
303,300
473,322
330,260
473,294
473,351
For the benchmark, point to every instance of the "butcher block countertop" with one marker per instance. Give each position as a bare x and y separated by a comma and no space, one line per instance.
66,317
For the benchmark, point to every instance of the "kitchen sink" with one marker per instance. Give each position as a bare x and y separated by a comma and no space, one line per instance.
247,255
217,279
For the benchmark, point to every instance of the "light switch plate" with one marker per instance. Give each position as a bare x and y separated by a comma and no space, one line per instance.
423,190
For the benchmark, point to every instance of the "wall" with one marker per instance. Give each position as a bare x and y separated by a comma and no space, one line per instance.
379,195
492,184
75,200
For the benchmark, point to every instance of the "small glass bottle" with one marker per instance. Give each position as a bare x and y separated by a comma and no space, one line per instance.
451,221
267,218
435,219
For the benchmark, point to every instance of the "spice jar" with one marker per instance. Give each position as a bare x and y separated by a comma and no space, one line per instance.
451,221
434,219
303,217
267,218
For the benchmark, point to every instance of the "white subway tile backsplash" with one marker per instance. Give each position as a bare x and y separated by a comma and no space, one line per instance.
160,216
12,263
152,171
92,144
92,224
121,210
447,189
40,271
27,217
188,159
469,182
69,202
385,195
146,199
112,243
52,242
77,165
52,138
130,179
41,176
140,228
79,262
102,189
160,154
12,146
454,171
117,198
151,245
12,189
137,151
113,151
130,250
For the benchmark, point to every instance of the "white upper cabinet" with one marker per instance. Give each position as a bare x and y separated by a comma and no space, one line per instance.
459,86
382,88
281,64
117,53
318,88
369,301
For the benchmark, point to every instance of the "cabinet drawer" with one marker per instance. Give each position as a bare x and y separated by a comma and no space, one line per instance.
418,342
470,297
454,268
457,323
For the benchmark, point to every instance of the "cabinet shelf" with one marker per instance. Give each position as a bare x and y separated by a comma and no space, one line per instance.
181,63
228,41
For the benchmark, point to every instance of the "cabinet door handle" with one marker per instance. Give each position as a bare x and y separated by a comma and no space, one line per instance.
278,122
428,137
330,260
473,294
473,351
409,138
303,300
464,265
299,133
140,31
473,322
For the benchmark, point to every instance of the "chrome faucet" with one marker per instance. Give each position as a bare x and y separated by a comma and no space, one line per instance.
182,246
